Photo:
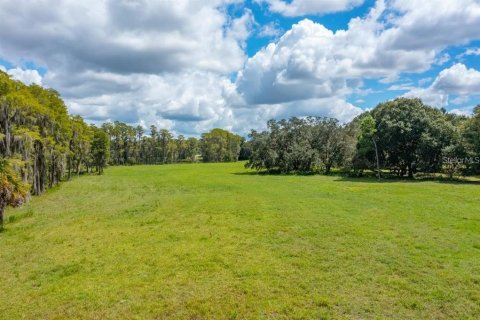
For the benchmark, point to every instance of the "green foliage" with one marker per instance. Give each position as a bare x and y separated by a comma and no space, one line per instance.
368,127
38,134
79,144
453,160
36,128
13,192
48,145
100,149
403,136
219,145
471,135
129,145
367,138
300,145
411,136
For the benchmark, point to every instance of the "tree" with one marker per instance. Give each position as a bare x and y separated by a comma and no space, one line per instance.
330,141
245,150
368,131
79,145
411,135
454,157
262,154
100,149
219,145
13,192
181,147
165,145
191,150
36,130
300,145
472,141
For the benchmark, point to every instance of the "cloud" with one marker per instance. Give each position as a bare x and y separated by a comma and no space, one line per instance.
310,61
462,112
124,36
170,63
151,98
424,81
472,52
460,100
187,102
457,80
148,62
401,87
469,52
190,103
256,117
328,107
271,29
26,76
139,61
433,24
310,7
444,58
429,96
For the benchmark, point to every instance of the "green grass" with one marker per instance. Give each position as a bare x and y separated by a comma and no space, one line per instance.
211,241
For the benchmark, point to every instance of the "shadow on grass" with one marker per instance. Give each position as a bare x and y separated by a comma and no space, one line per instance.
364,179
407,180
272,173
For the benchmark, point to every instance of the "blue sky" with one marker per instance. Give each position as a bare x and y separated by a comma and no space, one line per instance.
190,65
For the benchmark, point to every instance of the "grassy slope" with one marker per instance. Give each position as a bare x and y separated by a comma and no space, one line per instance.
209,241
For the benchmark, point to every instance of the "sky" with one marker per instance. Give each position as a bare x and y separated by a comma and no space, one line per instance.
193,65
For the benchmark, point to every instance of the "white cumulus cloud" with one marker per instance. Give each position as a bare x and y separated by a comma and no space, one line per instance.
457,80
171,63
124,36
27,76
310,7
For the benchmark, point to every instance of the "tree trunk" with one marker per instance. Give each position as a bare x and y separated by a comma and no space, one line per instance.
51,177
376,157
39,169
2,209
69,168
328,168
7,136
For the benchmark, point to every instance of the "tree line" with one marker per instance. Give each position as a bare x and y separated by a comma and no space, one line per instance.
132,145
402,137
41,141
41,144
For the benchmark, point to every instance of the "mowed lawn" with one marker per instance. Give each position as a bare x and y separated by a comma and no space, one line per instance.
212,241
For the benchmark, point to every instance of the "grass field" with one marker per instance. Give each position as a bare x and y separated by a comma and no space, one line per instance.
212,241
